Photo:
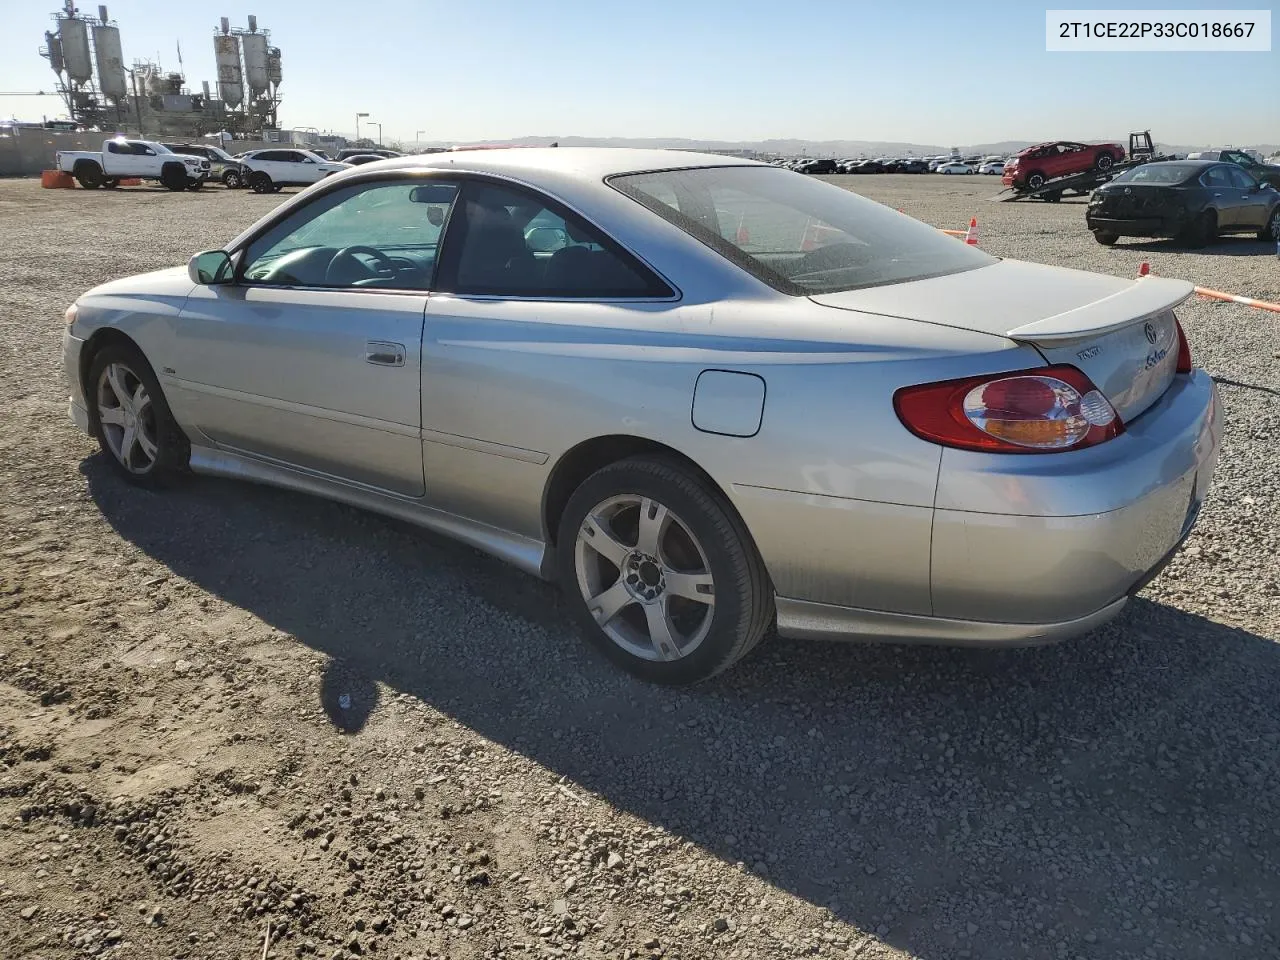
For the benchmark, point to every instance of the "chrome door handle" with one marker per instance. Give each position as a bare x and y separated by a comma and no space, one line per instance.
384,353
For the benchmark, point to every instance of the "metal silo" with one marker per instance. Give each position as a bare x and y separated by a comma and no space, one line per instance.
106,48
226,53
255,62
273,65
54,46
74,36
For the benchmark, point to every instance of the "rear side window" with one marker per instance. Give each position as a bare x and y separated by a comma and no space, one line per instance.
510,242
1216,177
799,235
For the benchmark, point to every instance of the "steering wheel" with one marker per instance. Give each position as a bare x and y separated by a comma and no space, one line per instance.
344,258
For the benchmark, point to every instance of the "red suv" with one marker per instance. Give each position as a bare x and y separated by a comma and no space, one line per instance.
1048,161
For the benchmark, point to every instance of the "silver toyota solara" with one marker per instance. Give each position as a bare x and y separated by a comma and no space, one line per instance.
708,396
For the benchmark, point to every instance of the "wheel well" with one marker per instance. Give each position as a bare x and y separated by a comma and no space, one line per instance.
84,162
97,340
586,458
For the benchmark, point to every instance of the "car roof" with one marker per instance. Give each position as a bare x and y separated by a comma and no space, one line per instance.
560,163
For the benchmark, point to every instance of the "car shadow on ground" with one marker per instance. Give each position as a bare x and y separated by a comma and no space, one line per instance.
1099,798
1222,247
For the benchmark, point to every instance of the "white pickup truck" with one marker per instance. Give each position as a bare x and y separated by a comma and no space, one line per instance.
143,159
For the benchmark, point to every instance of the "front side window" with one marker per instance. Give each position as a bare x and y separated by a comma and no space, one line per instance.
382,234
1241,180
799,235
508,242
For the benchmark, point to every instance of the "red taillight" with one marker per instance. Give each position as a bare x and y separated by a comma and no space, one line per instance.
1184,350
1046,410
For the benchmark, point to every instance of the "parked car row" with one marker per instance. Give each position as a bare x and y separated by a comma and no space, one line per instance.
945,164
189,166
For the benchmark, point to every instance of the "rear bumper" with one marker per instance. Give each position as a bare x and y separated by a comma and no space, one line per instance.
1137,226
1035,549
1047,539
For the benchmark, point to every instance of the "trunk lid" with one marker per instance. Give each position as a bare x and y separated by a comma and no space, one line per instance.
1121,333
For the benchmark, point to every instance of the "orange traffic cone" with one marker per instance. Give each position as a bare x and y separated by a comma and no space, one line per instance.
971,235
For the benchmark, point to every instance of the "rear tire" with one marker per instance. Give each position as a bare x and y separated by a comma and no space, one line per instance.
110,183
89,175
1104,162
1106,237
661,573
130,417
1272,230
1203,231
260,183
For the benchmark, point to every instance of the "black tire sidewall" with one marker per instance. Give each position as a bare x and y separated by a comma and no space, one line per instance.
1106,237
173,448
1269,229
260,183
1032,177
728,548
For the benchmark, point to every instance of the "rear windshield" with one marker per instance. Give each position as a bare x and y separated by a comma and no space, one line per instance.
799,235
1160,173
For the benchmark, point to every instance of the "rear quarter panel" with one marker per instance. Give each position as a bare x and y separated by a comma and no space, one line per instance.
837,494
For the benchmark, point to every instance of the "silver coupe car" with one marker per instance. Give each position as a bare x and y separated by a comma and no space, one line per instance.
708,396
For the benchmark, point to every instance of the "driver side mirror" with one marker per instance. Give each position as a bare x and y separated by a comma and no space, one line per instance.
210,268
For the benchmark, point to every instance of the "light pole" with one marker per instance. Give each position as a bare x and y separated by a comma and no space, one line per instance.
379,126
358,116
416,134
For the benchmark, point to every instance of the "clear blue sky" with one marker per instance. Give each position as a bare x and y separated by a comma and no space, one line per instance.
927,71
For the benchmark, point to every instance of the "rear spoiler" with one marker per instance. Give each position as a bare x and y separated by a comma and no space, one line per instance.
1143,300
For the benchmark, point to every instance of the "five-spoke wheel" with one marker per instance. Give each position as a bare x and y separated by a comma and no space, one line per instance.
130,417
661,571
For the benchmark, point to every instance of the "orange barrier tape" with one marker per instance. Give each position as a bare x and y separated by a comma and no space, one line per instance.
1145,271
1235,298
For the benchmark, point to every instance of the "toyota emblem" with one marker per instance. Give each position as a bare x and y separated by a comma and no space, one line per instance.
1150,331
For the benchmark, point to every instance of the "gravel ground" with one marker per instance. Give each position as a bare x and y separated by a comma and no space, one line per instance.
179,778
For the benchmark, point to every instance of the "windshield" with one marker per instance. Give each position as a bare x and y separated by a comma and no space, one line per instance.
799,235
1159,173
219,153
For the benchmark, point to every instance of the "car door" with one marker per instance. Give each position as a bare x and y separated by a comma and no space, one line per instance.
1252,205
517,271
312,356
1224,196
147,162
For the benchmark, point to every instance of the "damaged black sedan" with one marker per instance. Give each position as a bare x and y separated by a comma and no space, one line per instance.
1194,201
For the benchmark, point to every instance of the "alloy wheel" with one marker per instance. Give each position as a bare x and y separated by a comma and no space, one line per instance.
645,578
128,418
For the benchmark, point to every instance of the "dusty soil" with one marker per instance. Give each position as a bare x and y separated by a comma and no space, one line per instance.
232,717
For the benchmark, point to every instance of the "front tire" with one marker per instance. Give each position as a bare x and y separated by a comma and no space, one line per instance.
661,573
1035,180
1272,230
1104,162
173,177
131,419
1106,237
231,180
